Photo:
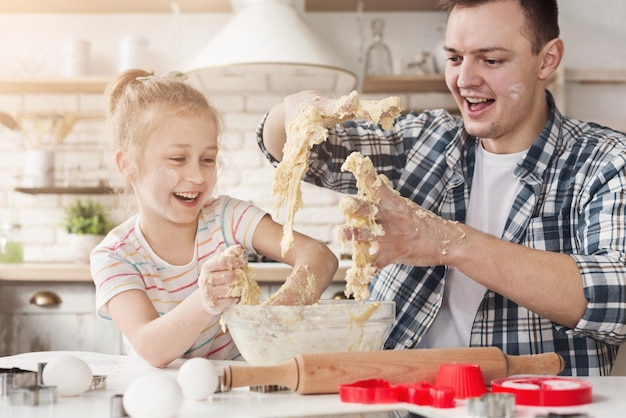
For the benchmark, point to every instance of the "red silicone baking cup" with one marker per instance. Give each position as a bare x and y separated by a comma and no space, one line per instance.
545,391
465,379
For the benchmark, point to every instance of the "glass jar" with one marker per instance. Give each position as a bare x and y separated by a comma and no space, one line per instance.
378,57
10,244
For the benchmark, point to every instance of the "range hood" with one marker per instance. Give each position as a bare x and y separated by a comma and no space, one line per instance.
267,46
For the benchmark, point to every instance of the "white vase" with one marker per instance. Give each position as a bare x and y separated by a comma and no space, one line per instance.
81,245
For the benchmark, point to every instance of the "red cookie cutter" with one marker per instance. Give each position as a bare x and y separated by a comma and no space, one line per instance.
381,391
545,390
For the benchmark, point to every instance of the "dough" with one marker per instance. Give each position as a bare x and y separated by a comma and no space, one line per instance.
300,292
244,287
308,128
360,274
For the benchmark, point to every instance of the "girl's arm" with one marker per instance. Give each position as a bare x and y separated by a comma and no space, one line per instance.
314,264
158,339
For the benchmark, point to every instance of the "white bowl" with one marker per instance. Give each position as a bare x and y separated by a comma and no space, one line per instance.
267,335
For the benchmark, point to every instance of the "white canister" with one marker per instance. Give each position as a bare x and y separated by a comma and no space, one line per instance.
38,168
132,52
76,57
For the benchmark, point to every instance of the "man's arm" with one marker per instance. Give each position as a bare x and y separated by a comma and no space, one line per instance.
544,282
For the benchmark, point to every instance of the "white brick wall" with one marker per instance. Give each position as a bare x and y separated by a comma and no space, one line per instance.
245,173
591,35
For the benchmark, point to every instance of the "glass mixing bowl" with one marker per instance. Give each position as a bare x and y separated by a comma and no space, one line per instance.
267,335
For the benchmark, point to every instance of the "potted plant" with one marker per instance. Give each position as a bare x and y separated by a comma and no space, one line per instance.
86,222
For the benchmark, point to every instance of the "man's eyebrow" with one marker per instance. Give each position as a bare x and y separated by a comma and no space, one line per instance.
479,50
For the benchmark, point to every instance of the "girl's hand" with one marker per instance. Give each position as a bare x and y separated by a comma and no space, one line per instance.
298,289
217,280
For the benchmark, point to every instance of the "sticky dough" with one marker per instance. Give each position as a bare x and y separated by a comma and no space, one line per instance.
360,274
308,128
245,286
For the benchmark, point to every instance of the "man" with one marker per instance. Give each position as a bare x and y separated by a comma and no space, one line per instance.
527,248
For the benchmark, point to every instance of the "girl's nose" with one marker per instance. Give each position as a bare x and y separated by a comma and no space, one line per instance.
194,174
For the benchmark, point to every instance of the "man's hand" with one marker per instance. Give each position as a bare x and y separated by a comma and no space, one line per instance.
412,235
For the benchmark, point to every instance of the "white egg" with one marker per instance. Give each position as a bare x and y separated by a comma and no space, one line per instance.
198,378
153,395
71,375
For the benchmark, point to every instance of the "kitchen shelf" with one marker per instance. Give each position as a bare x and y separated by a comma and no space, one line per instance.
83,84
427,83
114,6
371,84
202,6
66,190
596,76
371,5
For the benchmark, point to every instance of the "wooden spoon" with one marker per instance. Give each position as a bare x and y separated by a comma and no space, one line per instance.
9,121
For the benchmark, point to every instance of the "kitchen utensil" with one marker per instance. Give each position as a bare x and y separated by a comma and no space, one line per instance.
545,391
63,127
492,405
466,379
268,335
33,395
15,378
381,391
324,372
9,121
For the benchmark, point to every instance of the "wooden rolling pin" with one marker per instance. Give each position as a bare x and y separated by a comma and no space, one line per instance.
323,373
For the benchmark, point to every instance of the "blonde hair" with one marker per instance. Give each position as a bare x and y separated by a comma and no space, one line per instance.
137,103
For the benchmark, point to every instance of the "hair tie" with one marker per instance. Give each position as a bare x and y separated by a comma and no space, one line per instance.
172,76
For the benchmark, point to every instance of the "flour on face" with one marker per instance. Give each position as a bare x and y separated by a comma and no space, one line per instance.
516,90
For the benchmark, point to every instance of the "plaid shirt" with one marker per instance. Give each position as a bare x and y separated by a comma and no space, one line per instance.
573,201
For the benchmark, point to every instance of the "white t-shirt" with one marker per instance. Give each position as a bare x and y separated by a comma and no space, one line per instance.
493,192
125,261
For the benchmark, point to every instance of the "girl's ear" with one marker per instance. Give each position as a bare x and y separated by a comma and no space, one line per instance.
552,55
122,165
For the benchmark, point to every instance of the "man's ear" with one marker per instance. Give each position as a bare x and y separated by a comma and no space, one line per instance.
552,54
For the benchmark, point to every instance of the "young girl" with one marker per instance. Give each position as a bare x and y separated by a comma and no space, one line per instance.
147,269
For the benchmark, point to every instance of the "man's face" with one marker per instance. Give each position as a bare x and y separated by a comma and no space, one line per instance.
492,74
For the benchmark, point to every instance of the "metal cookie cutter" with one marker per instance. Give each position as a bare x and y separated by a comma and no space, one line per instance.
117,406
33,395
15,378
492,405
98,382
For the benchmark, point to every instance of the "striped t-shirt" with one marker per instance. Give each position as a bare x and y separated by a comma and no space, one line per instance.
125,261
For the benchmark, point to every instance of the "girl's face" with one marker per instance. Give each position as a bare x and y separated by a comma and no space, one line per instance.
179,169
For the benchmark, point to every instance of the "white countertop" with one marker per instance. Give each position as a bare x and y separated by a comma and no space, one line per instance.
608,397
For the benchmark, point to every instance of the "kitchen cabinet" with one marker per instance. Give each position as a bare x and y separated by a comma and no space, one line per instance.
72,324
603,79
38,316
